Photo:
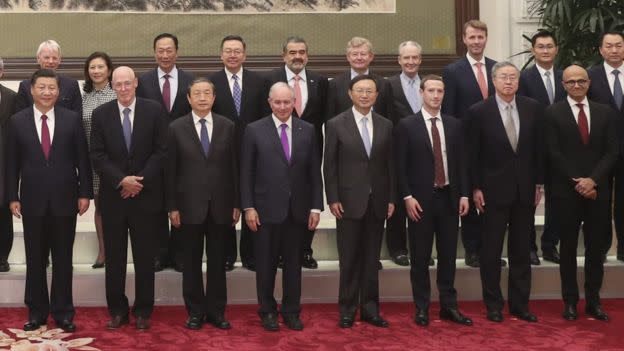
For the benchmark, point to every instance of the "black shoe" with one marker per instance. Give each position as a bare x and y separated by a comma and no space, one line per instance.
194,322
525,316
453,315
309,262
535,261
117,321
4,265
569,312
495,316
250,266
178,267
293,322
158,265
97,265
379,266
422,317
142,323
346,322
219,321
431,262
401,260
376,321
229,266
269,322
67,326
503,262
280,263
596,312
472,260
551,255
33,325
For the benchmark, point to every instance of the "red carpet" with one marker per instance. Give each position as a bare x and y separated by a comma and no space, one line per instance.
322,333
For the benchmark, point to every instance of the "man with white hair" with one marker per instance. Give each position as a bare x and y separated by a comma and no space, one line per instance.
7,108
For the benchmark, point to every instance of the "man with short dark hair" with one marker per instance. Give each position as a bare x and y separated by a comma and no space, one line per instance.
7,108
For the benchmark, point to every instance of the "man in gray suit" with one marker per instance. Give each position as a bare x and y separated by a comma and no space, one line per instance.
360,183
7,108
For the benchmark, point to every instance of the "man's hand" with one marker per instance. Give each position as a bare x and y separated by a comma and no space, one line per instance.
413,209
174,218
83,205
235,216
464,206
592,195
479,200
16,209
336,209
584,185
313,220
390,210
131,186
252,219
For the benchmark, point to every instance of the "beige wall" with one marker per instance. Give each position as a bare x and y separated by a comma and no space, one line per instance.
431,23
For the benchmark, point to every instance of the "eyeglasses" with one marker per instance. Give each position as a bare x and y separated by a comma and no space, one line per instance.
572,83
505,77
364,92
230,52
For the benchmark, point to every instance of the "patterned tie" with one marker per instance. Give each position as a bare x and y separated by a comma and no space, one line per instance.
582,124
204,138
284,140
481,80
236,94
549,88
166,93
365,136
510,128
298,97
45,137
127,128
413,98
618,96
438,163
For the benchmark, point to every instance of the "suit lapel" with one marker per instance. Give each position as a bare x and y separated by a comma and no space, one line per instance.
469,72
312,84
397,86
537,78
244,89
354,130
33,131
274,138
498,123
191,132
421,129
296,140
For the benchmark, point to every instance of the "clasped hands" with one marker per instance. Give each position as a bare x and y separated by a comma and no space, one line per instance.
586,187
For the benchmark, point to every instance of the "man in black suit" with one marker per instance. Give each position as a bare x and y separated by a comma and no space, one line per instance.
241,96
282,195
49,57
48,182
202,200
128,142
360,187
310,101
581,143
607,82
468,81
433,182
167,85
542,82
507,183
7,108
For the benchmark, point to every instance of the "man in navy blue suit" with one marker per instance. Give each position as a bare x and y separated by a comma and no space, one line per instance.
282,195
49,181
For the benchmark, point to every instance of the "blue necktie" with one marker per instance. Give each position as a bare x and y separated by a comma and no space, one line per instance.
365,136
204,139
413,98
617,89
127,128
236,94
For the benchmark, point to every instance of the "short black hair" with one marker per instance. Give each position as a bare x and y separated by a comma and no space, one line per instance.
197,81
362,77
43,73
88,83
166,35
233,37
543,34
611,32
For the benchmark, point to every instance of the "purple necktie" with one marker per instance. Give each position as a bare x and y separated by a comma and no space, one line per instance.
284,139
166,93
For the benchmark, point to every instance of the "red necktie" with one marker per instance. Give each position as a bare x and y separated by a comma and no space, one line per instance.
166,93
582,124
45,137
481,80
438,163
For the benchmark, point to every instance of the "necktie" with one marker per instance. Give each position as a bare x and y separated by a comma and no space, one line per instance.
549,88
617,89
45,137
438,163
510,128
582,124
365,135
284,140
166,93
413,96
236,94
127,127
298,98
481,80
204,139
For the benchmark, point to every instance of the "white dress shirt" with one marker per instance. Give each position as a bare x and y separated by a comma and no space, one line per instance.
239,75
542,72
576,110
121,115
611,78
197,124
49,122
472,62
355,74
369,124
290,78
173,84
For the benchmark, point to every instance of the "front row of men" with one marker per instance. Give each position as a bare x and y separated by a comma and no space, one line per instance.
438,166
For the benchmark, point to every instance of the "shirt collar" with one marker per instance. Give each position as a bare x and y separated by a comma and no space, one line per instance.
229,74
49,114
131,107
355,74
427,115
542,70
573,102
359,116
502,104
473,61
196,118
608,68
290,74
407,79
278,123
173,74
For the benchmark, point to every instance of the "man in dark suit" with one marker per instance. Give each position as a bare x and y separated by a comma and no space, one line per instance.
241,96
360,187
203,200
581,143
49,57
48,182
433,182
507,183
310,102
7,108
607,82
468,81
282,195
542,82
167,85
128,141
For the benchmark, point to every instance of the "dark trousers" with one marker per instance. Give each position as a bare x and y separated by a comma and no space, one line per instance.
272,241
517,218
570,214
308,237
550,235
396,233
246,244
170,248
442,219
618,208
211,301
6,232
471,230
359,242
41,235
141,228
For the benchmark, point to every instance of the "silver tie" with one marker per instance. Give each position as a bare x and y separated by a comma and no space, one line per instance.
549,88
510,128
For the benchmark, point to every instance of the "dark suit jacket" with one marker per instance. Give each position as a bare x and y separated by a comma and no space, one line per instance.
69,95
113,161
338,99
54,184
415,163
569,158
599,91
7,109
502,174
350,176
197,183
532,85
149,88
316,106
400,106
272,185
461,89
